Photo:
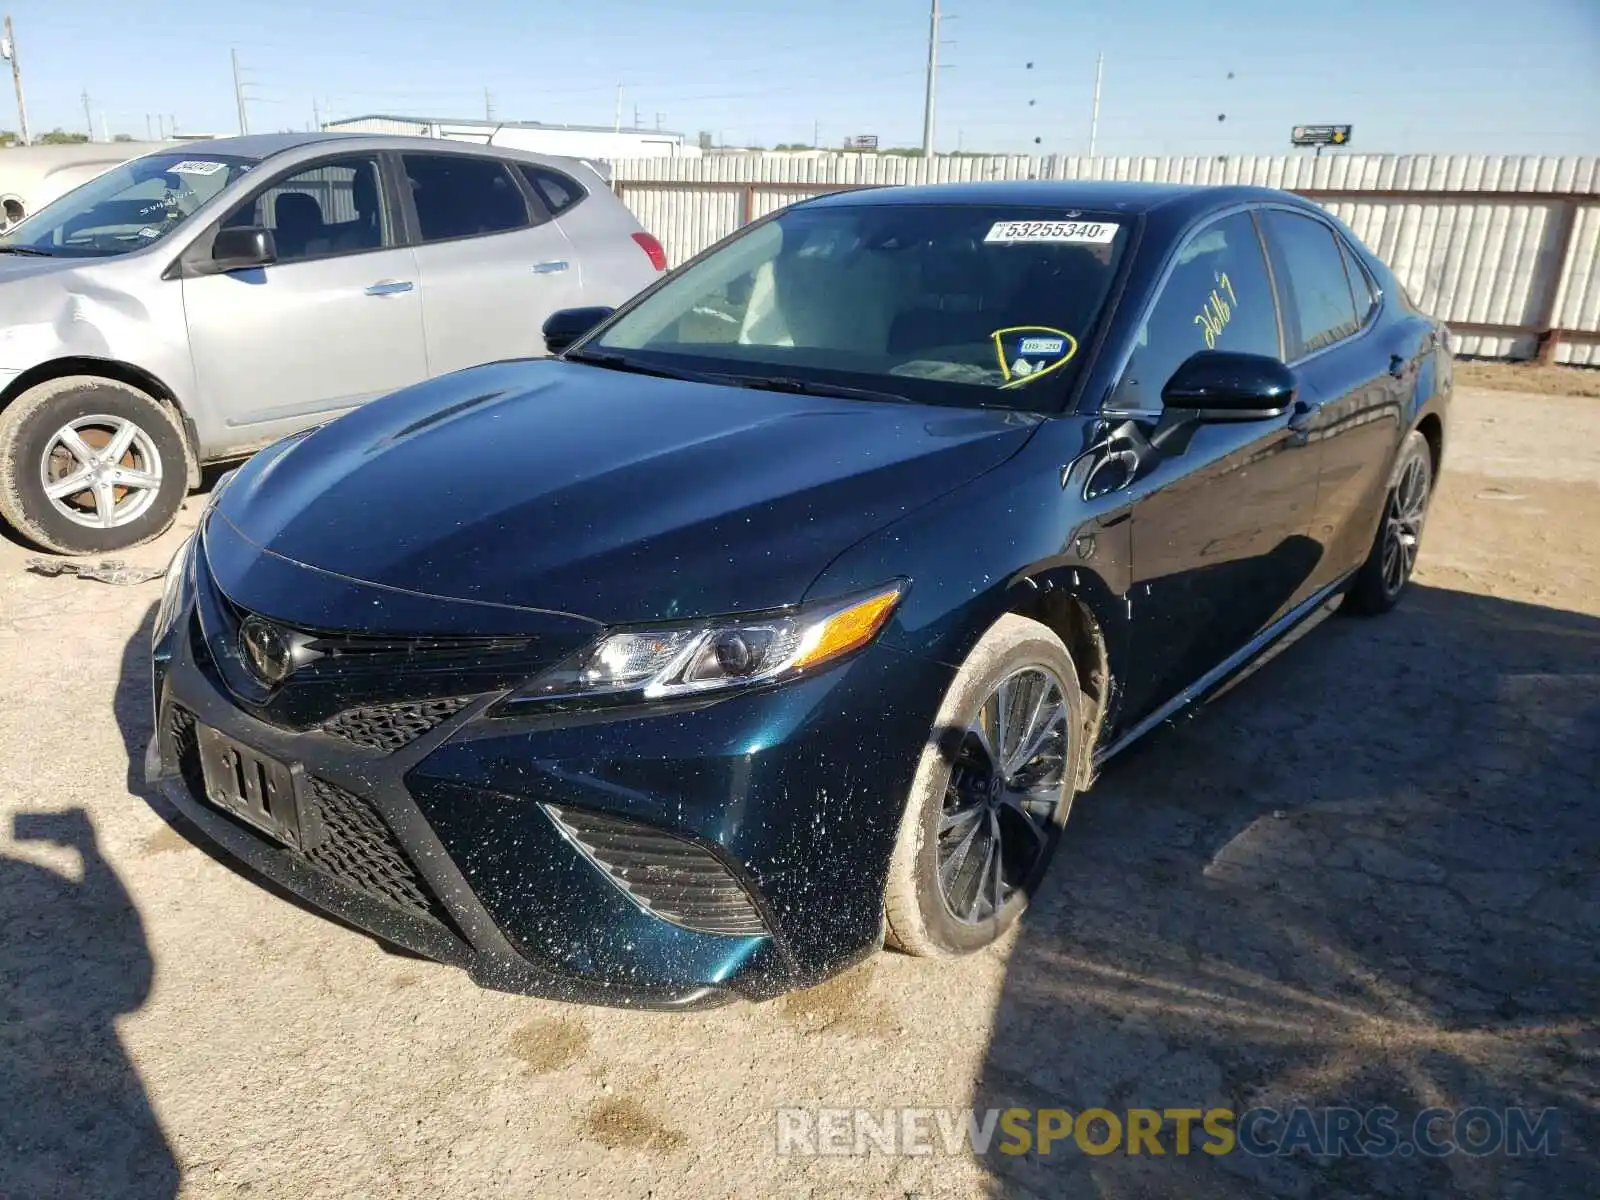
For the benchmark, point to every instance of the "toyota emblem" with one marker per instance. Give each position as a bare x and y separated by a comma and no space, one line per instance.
266,649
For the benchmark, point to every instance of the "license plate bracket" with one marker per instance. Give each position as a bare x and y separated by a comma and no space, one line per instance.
255,787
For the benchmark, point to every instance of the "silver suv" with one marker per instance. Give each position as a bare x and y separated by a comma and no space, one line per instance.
192,305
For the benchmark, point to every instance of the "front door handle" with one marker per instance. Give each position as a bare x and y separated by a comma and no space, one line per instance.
549,268
390,287
1300,419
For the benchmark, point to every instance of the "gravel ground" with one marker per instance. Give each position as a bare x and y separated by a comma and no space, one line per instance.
1368,875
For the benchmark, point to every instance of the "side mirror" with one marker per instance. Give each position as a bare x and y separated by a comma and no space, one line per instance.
1220,385
567,325
238,249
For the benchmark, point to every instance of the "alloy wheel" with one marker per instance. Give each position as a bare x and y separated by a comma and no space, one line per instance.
1002,805
1402,532
101,471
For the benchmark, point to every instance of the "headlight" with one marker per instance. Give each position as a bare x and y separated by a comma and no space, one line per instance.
174,591
683,660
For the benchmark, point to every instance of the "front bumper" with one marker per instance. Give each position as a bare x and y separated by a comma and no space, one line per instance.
447,845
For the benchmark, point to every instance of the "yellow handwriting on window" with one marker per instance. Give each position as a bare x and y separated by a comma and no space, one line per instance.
1216,312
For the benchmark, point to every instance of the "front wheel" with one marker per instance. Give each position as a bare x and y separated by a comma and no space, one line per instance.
992,792
89,465
1393,557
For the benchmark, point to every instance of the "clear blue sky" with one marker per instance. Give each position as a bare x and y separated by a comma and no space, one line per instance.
1411,75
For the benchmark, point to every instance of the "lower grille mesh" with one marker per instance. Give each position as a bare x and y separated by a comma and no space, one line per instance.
356,846
676,879
388,727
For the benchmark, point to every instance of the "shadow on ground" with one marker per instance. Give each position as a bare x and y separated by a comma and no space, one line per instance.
1368,876
74,1116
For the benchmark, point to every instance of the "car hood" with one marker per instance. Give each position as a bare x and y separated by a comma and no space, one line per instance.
26,266
575,489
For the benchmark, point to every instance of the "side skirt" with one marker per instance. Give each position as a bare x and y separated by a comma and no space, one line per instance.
1239,666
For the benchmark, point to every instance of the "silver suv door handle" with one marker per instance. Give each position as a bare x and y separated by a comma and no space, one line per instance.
549,268
390,287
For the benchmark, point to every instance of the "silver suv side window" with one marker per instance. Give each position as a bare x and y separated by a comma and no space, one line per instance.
335,207
460,196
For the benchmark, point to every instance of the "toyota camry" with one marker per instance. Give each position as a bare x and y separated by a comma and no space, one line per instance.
784,611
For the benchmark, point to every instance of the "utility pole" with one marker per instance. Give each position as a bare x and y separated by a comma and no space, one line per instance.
16,77
105,134
636,116
238,94
933,75
88,117
149,136
488,105
316,115
616,124
658,122
1094,111
816,135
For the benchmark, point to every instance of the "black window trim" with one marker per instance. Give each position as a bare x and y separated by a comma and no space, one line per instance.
1352,254
199,248
1249,207
538,214
1367,324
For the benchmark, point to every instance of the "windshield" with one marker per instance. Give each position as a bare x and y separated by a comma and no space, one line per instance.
973,305
128,207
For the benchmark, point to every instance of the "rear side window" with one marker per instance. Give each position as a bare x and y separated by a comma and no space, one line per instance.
1218,297
1318,307
458,196
559,192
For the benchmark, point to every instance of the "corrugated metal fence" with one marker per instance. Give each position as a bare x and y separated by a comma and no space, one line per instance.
1507,250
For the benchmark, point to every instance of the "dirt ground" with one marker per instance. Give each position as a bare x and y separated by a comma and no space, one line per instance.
1529,377
1368,875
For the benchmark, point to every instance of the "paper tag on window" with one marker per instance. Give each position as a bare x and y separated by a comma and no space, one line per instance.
1084,233
196,166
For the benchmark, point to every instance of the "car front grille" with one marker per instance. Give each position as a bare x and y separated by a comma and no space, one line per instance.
671,877
388,727
341,834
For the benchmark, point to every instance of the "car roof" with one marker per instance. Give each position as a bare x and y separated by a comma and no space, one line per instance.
268,145
1127,196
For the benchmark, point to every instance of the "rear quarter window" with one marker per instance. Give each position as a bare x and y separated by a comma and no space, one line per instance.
559,192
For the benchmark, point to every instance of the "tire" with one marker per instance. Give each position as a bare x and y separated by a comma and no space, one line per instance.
97,410
1382,579
920,918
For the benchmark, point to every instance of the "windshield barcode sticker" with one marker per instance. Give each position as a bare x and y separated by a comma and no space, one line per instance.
1088,233
195,166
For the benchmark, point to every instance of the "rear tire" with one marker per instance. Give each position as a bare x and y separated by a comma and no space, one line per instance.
1393,557
938,902
125,448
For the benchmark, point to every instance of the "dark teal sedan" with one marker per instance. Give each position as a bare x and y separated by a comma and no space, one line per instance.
786,610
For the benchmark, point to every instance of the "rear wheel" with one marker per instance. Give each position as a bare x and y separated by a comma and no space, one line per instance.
1383,577
89,465
992,792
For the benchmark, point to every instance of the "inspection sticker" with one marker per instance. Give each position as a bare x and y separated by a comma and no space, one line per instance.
1084,233
196,166
1043,346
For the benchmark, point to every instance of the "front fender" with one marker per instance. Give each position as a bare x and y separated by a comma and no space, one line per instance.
1014,540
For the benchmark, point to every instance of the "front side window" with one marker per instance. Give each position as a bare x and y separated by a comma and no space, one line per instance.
1218,297
1318,307
977,305
332,208
459,196
127,208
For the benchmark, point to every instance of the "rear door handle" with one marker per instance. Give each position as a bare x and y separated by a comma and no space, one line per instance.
549,268
390,287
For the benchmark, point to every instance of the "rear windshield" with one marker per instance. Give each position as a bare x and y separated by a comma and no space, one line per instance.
129,207
958,304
